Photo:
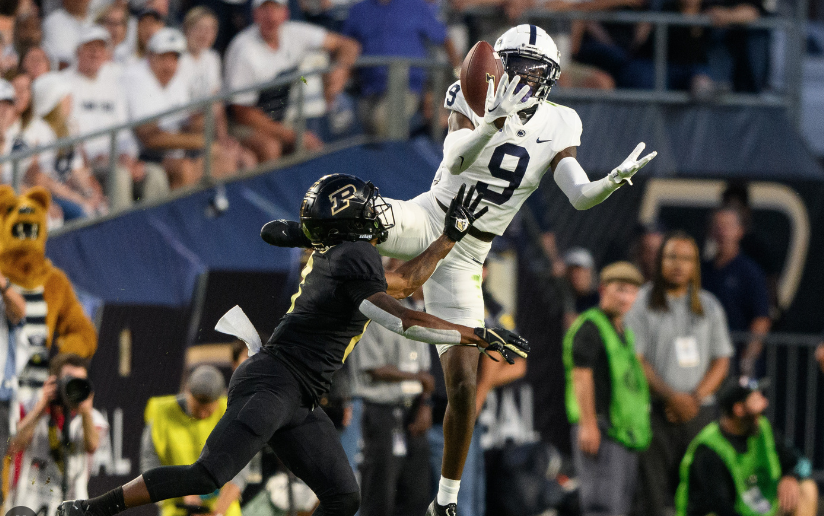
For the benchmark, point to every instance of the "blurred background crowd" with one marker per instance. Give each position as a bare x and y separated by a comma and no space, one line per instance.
77,66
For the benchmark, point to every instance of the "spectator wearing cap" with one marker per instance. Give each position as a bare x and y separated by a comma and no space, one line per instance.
403,28
176,141
99,102
62,30
63,171
272,47
682,340
607,396
740,466
176,430
580,273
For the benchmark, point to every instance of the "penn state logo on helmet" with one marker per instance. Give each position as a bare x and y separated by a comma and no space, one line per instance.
342,207
528,51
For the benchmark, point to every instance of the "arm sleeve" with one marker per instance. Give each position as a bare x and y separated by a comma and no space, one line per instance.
721,345
310,36
148,455
711,486
573,181
586,346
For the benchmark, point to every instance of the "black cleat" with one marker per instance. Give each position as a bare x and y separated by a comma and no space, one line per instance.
450,509
73,508
284,233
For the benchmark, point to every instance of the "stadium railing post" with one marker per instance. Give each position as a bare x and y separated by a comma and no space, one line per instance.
661,29
300,118
208,139
397,123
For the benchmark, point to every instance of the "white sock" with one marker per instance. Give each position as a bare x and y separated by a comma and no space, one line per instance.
448,491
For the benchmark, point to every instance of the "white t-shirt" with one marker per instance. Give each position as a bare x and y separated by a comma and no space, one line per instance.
97,104
146,96
203,73
61,32
36,134
512,164
250,60
40,479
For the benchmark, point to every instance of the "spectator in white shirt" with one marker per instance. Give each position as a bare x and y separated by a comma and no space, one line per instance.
201,66
115,19
153,86
100,102
62,29
271,47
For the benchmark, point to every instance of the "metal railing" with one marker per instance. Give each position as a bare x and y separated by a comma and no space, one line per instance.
397,118
795,392
397,122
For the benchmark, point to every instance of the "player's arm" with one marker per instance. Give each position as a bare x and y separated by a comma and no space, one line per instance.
460,216
389,313
582,193
465,142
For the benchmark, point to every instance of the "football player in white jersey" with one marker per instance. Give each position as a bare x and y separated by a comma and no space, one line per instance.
506,165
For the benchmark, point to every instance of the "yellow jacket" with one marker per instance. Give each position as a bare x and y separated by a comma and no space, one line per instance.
179,439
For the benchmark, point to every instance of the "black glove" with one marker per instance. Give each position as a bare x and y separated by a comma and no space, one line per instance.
504,342
284,233
461,214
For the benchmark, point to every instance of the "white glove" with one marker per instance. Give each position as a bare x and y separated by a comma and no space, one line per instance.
631,165
506,100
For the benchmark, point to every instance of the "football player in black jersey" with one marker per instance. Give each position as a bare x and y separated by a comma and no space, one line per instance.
273,395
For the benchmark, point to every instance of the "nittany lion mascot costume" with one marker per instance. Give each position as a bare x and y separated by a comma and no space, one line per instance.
53,313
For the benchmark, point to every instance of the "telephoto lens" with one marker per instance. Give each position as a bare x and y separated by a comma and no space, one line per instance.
74,391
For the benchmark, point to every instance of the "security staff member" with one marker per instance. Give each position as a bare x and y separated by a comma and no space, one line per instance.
737,467
177,427
607,396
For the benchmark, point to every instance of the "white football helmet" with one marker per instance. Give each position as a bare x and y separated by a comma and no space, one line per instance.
528,51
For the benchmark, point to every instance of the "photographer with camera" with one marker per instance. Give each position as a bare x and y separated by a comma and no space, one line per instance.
54,455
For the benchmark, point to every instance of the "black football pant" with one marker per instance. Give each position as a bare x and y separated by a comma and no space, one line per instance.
266,404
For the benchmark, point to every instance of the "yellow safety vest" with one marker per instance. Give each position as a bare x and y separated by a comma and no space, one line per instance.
179,439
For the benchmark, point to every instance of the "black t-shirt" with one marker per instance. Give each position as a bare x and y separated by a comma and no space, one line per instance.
324,323
589,352
712,489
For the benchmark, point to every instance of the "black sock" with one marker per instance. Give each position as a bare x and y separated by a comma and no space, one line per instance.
108,504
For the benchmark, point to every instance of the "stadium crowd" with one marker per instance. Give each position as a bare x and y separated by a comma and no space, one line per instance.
76,66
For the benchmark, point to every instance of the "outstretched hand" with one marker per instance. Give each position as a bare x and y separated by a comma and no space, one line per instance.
505,342
631,165
504,101
461,213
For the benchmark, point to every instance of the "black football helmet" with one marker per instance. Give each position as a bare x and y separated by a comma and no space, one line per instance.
343,208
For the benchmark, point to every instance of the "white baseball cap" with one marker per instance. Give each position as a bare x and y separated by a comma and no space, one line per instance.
258,3
6,91
579,257
94,33
167,40
47,92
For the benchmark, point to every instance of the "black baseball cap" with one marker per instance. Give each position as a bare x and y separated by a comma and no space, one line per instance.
150,12
736,390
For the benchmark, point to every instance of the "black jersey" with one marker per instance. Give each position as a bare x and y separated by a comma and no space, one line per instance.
323,324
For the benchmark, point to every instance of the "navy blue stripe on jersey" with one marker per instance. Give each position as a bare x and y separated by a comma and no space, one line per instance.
35,319
33,296
533,34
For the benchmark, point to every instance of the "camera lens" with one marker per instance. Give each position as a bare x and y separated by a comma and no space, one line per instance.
75,390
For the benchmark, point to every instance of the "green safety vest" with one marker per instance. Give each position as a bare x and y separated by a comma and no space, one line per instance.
756,472
629,406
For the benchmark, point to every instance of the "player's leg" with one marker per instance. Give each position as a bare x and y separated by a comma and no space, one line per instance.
263,396
454,293
311,449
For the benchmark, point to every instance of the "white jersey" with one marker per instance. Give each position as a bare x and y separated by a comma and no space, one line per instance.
512,164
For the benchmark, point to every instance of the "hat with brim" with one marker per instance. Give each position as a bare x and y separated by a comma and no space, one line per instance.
579,257
167,40
47,92
6,91
736,390
94,33
622,271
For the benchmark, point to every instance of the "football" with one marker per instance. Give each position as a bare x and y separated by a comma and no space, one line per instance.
481,62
